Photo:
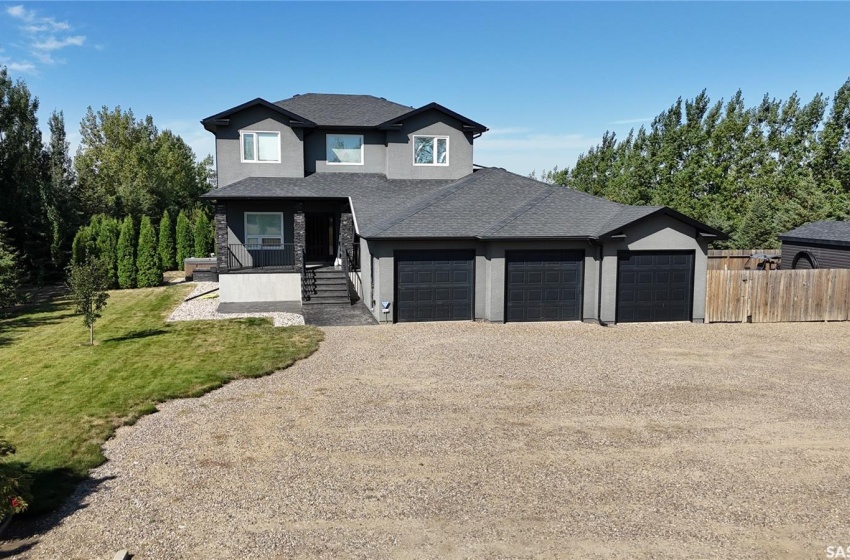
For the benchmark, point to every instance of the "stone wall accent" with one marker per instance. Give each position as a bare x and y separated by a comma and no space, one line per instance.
346,234
300,227
221,248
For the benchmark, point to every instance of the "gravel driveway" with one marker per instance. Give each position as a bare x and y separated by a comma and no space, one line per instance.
476,440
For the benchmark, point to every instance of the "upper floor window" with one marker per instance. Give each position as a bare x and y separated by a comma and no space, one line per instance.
261,147
345,149
430,150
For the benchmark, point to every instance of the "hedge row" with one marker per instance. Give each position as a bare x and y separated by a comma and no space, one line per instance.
139,261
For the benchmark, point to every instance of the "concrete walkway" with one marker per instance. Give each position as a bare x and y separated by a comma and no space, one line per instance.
330,315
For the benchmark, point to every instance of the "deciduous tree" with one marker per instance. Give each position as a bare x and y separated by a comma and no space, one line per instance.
88,284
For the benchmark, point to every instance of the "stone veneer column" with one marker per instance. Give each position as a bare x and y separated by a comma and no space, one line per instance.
221,246
346,234
300,229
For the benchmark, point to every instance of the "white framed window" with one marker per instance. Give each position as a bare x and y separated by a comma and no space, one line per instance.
263,230
430,150
260,147
344,149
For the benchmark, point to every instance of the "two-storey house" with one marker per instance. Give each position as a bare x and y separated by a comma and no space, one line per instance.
322,186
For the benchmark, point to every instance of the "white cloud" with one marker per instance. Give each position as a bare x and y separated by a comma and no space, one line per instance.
24,66
44,35
53,44
633,121
535,142
19,12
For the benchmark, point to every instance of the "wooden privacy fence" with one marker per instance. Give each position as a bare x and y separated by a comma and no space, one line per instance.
735,259
776,296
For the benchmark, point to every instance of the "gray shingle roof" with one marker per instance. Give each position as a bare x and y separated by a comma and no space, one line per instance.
824,232
487,204
334,109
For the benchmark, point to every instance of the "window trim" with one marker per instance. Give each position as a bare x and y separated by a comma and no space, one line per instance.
362,149
242,134
260,244
434,150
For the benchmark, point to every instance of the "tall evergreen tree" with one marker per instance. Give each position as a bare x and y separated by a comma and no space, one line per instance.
166,242
63,210
22,174
202,240
185,239
108,232
148,270
11,273
126,255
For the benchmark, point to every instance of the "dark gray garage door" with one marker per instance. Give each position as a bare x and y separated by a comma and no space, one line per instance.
656,286
544,285
433,285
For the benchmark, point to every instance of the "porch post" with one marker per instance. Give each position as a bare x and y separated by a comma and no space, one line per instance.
300,228
346,234
221,246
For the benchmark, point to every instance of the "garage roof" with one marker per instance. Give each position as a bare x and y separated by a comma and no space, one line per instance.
825,233
490,203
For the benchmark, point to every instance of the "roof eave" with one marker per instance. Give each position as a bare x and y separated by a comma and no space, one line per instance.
814,241
221,119
468,124
702,229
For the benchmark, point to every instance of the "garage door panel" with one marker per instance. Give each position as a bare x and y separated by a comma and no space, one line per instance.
654,286
434,285
550,284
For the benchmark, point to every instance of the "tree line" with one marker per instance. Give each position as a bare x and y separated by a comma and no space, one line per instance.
752,172
123,167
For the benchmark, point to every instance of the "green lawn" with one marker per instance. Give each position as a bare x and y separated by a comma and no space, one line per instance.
61,399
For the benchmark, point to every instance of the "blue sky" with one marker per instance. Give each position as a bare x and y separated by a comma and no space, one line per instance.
547,78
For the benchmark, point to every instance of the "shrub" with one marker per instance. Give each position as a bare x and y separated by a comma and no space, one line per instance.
166,242
148,271
126,255
14,484
106,245
203,241
185,239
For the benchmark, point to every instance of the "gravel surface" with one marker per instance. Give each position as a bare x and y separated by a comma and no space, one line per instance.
470,440
207,309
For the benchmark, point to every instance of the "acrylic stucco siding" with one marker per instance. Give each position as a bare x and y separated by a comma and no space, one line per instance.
400,148
374,152
228,148
274,286
489,271
659,234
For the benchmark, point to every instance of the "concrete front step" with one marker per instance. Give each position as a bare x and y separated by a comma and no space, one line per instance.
330,293
330,281
327,301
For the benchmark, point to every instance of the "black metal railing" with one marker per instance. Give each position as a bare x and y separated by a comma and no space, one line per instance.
354,258
260,256
308,279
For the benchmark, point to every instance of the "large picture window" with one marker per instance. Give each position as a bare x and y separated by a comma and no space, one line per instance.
263,229
345,149
261,147
430,150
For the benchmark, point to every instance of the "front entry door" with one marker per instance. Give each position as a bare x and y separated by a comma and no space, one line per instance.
320,237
